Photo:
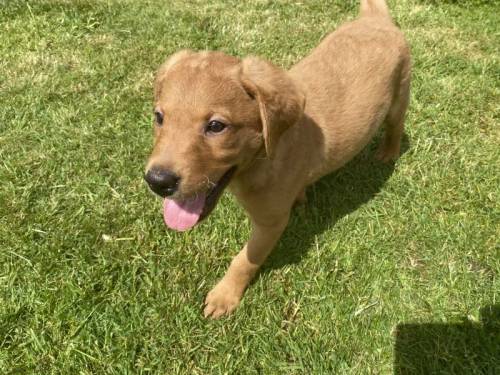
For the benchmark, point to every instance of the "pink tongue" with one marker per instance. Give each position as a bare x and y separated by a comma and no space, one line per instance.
183,215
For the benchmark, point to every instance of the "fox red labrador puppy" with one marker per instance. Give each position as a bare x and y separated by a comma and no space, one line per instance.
267,134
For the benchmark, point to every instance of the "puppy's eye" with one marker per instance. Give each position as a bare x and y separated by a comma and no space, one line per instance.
214,127
159,118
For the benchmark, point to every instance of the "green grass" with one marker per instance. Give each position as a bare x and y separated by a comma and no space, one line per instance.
385,267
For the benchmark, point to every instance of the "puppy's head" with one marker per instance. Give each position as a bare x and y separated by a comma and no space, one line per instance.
213,114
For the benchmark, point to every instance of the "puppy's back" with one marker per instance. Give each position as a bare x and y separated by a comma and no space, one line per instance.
350,80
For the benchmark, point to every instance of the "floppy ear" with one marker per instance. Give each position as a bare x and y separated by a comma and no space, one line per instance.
166,66
281,103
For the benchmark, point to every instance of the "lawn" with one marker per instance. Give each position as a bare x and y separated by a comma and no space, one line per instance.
387,269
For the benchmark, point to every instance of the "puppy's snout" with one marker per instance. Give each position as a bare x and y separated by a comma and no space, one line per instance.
162,182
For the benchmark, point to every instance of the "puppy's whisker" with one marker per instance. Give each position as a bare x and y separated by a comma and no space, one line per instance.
210,183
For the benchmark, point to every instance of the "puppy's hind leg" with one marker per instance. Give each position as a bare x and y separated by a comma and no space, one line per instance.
390,148
301,198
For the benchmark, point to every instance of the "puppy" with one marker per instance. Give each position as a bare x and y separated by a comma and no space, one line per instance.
267,134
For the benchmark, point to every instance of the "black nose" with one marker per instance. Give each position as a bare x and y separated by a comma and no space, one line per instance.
162,182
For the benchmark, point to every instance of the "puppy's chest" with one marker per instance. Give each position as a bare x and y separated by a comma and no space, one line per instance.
253,190
246,187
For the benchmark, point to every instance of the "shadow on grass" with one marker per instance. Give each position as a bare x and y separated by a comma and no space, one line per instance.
331,198
461,348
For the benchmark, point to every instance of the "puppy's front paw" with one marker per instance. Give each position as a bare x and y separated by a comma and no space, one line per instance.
222,299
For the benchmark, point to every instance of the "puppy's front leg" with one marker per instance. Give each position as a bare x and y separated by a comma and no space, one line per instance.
226,295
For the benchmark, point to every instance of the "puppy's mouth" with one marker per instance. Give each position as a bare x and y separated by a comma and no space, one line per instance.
182,215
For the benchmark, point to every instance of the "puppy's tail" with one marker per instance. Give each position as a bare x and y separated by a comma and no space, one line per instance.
374,8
